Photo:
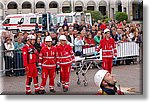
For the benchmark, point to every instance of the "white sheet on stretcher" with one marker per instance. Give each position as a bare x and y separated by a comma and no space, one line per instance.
78,58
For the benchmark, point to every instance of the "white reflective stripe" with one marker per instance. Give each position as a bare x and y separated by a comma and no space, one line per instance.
27,86
49,57
106,50
64,57
42,88
37,88
40,57
66,62
108,56
67,83
28,90
115,48
45,65
35,84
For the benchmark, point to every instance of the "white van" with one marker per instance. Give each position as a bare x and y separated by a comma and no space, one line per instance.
27,22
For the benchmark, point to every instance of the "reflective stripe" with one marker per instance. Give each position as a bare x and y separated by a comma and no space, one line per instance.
108,56
67,83
66,62
49,57
35,84
27,86
45,65
28,90
106,50
64,57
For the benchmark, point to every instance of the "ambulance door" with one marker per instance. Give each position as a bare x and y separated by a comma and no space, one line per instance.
44,22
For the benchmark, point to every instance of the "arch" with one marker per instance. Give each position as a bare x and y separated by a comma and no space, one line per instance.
102,7
1,6
137,9
79,6
66,7
91,5
53,4
40,4
119,5
26,5
12,5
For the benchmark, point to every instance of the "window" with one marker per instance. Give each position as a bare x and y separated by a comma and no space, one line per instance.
69,19
40,20
7,21
22,20
32,20
125,10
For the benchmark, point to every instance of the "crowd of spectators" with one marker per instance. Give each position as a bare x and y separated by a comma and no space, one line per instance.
76,34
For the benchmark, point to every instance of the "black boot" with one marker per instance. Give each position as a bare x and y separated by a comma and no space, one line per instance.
52,90
42,92
65,89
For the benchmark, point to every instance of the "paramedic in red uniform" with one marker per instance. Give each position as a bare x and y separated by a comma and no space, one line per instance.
109,51
47,59
65,60
30,55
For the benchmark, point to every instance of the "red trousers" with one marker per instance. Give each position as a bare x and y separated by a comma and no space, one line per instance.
32,73
45,73
65,74
107,64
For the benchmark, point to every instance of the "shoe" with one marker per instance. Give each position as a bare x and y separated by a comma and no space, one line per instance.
28,93
37,93
42,92
52,90
65,89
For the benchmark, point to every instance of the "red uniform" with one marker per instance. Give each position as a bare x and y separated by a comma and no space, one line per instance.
30,58
108,52
47,58
65,58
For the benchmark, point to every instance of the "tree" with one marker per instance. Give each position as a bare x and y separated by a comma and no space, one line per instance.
120,16
96,15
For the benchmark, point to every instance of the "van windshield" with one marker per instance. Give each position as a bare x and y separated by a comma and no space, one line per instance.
7,21
69,19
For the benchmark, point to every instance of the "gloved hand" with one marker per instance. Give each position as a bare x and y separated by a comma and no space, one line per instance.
115,59
73,64
58,66
27,69
95,53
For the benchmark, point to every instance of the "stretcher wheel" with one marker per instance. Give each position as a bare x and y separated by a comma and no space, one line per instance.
58,84
85,83
78,82
77,73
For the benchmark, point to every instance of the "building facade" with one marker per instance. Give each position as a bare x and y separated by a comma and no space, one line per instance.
134,8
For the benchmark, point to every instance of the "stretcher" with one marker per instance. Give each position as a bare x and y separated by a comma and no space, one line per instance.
83,64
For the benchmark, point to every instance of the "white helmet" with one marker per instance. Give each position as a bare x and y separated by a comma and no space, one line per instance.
48,38
106,30
31,37
62,37
99,76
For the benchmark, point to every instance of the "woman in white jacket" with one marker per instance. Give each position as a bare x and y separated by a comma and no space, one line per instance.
78,45
9,46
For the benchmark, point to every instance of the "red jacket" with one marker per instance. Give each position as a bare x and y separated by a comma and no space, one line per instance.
47,57
30,55
108,48
65,54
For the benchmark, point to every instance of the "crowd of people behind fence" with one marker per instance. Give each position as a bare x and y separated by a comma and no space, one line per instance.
77,35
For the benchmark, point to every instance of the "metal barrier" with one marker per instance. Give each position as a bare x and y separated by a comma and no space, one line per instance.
124,50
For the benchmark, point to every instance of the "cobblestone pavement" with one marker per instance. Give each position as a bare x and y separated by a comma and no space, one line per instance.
129,76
